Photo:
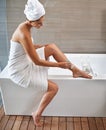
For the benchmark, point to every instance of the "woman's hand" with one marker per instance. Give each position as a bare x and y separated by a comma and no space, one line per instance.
64,65
36,46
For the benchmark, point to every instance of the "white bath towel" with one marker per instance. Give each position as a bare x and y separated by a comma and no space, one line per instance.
23,71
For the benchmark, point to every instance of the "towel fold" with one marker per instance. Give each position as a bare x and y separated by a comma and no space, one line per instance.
23,71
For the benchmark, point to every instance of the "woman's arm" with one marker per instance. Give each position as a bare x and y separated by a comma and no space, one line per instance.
36,46
31,51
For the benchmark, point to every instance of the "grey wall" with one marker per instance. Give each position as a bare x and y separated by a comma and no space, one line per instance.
74,25
15,15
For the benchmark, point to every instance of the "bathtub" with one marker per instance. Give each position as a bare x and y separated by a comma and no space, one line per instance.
76,96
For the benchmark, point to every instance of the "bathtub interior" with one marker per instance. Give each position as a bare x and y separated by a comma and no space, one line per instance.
97,63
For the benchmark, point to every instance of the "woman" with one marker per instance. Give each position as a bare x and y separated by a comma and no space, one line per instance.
28,62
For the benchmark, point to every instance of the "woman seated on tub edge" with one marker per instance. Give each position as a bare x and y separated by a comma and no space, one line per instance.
28,62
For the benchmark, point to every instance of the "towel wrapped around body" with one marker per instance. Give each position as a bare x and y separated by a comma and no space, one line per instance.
23,71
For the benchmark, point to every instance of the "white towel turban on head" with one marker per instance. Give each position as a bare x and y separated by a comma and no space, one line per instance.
34,10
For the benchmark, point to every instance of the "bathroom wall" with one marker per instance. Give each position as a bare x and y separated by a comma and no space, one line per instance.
15,15
74,25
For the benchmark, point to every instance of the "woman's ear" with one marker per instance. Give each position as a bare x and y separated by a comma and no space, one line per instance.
30,22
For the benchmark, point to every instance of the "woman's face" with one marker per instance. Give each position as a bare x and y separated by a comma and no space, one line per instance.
38,23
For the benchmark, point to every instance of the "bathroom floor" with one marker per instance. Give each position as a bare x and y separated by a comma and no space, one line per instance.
51,123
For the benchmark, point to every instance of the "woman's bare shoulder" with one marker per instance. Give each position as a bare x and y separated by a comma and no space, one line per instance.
20,33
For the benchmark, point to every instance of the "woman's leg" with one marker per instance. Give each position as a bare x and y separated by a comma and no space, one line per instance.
48,96
53,50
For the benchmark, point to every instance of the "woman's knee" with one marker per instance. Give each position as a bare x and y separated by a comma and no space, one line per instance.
49,50
51,47
53,87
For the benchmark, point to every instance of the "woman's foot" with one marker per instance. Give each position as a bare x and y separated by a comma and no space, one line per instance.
79,73
36,119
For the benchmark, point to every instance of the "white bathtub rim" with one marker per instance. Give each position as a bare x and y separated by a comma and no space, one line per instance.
69,77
